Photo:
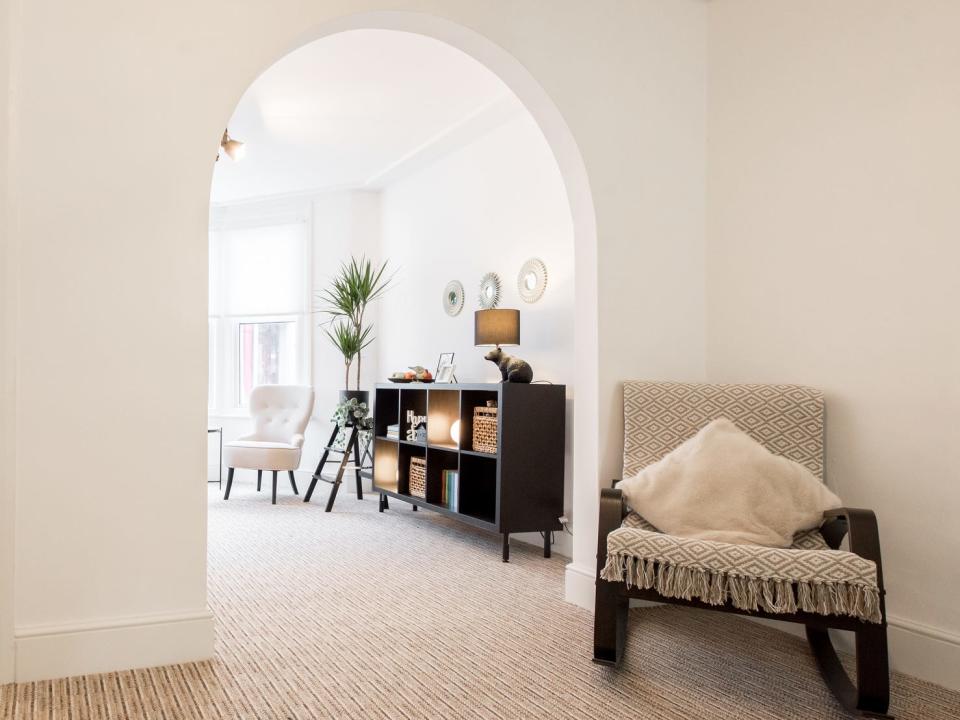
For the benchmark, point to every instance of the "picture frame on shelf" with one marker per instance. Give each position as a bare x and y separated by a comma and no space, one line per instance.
445,374
445,359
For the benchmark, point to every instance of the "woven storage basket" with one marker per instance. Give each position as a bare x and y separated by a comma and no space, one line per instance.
418,477
485,429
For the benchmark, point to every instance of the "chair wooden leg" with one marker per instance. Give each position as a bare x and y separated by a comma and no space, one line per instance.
259,479
546,543
226,495
609,623
274,501
871,696
293,483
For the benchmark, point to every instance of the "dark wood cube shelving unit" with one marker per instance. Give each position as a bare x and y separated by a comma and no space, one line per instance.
517,489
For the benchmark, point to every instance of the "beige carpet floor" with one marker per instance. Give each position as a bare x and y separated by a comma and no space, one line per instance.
355,614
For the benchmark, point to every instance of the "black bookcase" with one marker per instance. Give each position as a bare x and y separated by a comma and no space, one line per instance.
517,489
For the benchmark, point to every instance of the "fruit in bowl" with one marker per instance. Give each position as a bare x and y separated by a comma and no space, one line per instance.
416,373
420,373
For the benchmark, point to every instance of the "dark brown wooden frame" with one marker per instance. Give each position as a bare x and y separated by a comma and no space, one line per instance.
871,695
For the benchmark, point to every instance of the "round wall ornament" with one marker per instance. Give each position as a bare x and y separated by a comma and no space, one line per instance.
490,291
532,280
453,298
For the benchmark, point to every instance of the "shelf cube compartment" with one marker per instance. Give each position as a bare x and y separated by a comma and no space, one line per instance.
443,414
478,487
385,468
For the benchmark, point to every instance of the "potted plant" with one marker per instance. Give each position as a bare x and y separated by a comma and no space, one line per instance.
345,301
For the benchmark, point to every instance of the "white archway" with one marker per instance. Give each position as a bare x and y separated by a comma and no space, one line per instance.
580,578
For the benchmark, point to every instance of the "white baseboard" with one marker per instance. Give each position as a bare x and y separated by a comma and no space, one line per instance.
47,652
579,585
924,651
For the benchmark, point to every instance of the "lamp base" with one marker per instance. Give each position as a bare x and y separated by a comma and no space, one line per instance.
512,369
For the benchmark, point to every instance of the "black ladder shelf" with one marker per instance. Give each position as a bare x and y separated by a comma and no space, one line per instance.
352,446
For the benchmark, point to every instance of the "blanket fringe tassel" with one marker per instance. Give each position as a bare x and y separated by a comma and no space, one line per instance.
745,593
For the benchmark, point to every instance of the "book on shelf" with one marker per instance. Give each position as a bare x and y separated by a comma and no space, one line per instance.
393,432
451,489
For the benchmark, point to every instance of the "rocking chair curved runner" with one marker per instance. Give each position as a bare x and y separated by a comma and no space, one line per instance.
812,583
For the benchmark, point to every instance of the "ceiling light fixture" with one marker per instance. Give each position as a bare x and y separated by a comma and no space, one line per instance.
234,148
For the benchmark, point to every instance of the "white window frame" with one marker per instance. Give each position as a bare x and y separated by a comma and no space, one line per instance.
225,390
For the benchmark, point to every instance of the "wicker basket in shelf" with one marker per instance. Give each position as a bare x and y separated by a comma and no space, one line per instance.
418,477
485,429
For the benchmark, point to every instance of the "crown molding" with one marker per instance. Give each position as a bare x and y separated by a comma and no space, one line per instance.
483,120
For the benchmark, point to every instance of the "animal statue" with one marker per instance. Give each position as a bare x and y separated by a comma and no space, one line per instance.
512,369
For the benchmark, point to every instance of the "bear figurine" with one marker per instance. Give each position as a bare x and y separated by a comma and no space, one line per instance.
512,369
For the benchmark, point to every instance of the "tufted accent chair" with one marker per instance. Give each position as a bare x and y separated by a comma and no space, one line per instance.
280,416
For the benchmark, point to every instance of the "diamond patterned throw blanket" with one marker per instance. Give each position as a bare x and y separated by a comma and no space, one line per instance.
807,576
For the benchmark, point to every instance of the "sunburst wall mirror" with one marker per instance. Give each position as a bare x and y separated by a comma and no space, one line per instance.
490,291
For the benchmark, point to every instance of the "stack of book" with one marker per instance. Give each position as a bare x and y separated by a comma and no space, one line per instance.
393,432
450,492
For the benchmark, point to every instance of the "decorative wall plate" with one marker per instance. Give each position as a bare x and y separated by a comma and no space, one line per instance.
453,298
532,280
490,291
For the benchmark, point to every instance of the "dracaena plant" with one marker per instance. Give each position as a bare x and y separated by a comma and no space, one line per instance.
345,302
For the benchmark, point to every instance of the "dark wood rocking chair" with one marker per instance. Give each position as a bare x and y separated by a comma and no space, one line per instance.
789,421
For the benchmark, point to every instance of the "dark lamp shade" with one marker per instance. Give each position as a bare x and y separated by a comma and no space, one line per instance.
496,327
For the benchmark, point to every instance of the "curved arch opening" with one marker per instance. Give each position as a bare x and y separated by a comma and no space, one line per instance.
572,181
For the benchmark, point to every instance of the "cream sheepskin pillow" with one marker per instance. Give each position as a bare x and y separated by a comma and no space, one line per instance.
723,485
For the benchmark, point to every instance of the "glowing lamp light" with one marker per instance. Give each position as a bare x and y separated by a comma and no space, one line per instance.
455,432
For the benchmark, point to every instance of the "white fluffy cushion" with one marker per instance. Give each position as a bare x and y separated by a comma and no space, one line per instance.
723,485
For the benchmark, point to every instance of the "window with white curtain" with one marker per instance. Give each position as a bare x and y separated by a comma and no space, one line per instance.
259,310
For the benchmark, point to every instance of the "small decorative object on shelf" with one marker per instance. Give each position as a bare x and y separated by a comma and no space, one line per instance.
512,369
393,432
416,373
445,359
532,280
418,477
453,298
446,374
420,433
414,421
485,429
490,291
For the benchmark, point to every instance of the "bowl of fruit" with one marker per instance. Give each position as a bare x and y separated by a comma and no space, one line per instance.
416,373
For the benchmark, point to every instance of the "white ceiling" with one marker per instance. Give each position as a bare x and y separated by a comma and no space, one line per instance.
346,109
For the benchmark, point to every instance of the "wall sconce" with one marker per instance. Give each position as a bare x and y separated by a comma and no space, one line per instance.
234,148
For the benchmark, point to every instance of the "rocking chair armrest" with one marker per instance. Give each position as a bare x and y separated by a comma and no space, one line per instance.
861,525
612,511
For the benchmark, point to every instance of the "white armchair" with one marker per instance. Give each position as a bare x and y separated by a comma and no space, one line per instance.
280,416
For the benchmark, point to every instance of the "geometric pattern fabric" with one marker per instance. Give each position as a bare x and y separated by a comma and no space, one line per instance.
788,420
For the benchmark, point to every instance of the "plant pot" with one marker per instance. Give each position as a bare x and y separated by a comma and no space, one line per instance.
362,396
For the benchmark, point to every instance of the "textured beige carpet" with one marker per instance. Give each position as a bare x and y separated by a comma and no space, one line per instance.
407,615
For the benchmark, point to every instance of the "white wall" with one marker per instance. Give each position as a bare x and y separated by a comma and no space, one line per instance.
832,260
485,207
106,233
